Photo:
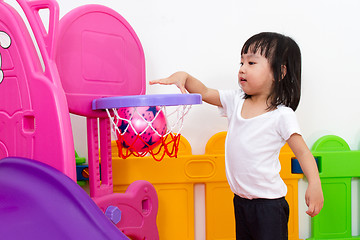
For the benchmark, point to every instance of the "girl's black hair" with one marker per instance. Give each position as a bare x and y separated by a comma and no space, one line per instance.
280,51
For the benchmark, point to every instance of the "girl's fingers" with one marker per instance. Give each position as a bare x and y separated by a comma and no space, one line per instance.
182,89
157,81
166,81
310,210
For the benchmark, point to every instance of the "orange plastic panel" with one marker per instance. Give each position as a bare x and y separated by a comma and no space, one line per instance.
174,181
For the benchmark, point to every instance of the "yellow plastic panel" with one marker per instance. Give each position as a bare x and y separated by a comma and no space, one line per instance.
220,219
174,181
291,180
176,211
292,199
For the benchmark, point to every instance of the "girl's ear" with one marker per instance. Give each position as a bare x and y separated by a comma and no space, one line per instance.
283,71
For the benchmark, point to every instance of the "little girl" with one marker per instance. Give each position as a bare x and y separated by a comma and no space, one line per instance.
261,120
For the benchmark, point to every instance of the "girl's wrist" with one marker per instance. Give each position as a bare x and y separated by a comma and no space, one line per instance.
314,181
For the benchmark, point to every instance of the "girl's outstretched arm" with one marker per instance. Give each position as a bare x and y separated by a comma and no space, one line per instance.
186,82
314,196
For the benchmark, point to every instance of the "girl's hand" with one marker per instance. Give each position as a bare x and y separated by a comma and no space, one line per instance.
187,83
314,199
314,196
178,79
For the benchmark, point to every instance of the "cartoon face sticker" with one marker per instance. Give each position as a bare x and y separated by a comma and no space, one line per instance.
5,42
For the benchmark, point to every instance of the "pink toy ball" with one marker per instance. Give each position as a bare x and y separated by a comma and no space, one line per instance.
129,138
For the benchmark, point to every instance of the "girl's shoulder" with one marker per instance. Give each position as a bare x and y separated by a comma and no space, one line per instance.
285,110
236,93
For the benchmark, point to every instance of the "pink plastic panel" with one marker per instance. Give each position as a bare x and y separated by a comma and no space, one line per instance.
139,207
34,116
98,55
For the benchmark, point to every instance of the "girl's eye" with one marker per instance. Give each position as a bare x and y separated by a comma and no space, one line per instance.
241,64
251,63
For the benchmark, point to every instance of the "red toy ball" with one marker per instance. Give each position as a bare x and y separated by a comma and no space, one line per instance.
129,134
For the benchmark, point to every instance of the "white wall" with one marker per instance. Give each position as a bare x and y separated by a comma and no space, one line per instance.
204,37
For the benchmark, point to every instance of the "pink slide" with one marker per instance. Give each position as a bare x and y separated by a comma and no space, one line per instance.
39,202
90,54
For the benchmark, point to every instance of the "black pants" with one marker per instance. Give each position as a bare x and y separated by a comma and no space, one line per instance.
261,219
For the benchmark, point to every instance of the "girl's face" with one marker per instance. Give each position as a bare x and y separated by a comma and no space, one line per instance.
255,75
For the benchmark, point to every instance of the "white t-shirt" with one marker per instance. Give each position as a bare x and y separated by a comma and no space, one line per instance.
253,145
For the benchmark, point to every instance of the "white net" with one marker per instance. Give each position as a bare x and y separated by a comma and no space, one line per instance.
151,130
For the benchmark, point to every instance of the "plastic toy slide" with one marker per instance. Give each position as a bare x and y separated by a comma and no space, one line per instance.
39,202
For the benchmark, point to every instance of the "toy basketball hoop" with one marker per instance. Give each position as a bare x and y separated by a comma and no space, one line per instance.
147,124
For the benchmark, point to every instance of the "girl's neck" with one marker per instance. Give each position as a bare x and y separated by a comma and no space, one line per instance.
255,106
261,100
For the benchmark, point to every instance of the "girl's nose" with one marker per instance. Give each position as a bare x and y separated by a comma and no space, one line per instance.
242,69
241,73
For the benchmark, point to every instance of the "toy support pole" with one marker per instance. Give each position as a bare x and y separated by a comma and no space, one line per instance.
98,189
